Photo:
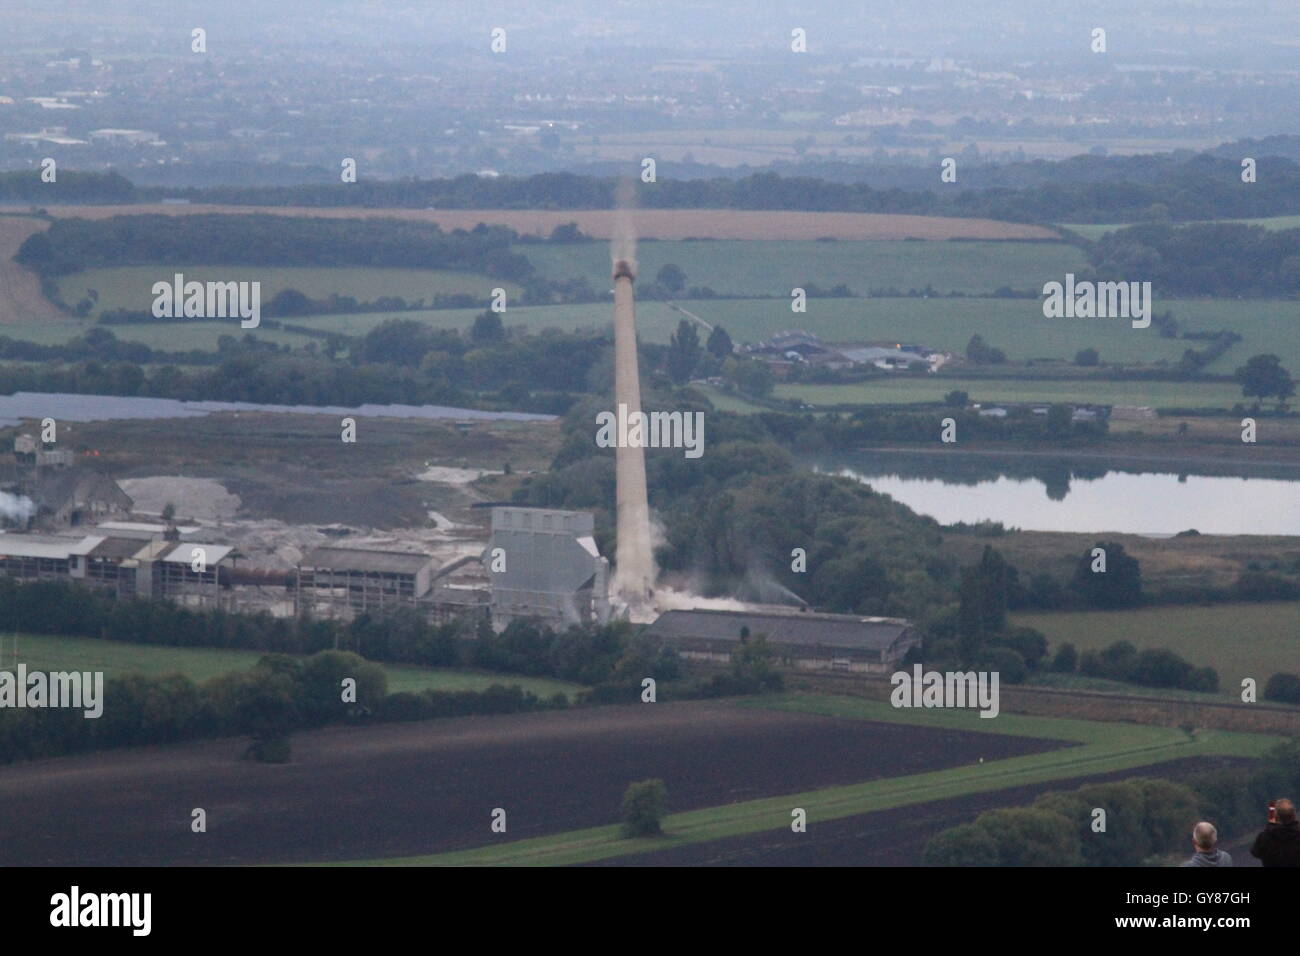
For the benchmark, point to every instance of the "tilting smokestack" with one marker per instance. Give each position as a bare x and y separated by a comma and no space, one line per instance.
634,575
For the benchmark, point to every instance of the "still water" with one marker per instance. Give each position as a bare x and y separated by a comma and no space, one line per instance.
1082,498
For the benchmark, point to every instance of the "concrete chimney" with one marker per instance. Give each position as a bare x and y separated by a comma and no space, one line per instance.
634,573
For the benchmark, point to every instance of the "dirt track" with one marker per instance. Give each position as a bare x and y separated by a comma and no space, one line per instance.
407,789
650,223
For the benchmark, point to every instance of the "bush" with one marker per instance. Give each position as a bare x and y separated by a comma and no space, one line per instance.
1120,585
964,845
1009,665
321,686
1066,660
1284,688
643,808
1029,836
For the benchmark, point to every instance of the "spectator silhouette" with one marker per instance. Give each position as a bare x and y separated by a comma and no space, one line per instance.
1278,844
1204,838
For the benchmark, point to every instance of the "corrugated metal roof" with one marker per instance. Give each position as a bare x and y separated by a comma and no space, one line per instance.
360,559
827,630
118,548
45,546
184,553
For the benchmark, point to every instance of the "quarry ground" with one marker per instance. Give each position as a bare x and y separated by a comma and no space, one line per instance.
406,789
275,485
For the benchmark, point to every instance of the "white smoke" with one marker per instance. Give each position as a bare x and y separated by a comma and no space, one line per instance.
623,236
16,509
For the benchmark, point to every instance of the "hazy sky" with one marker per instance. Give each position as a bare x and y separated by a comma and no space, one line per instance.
1242,32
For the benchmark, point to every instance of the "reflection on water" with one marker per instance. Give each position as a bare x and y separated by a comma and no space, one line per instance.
1060,498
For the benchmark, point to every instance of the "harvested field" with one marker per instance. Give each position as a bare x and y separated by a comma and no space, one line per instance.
405,789
650,223
891,837
21,298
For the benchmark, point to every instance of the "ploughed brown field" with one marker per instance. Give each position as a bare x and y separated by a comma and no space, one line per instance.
650,223
898,837
410,789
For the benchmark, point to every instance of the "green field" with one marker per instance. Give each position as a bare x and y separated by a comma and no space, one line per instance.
1096,231
765,267
129,287
52,653
1237,640
1016,326
180,336
656,322
931,388
1103,748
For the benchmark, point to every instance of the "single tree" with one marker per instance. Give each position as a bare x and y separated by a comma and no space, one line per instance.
683,352
643,808
487,328
1264,377
720,344
671,277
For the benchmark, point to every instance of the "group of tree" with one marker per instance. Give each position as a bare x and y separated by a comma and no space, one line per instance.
1202,259
586,655
1145,820
70,245
267,703
1082,189
1121,661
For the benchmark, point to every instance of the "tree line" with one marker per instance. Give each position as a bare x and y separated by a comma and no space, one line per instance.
1202,259
1173,187
71,245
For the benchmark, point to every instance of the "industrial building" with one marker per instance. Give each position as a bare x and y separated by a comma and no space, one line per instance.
72,496
192,573
544,564
63,493
342,582
801,640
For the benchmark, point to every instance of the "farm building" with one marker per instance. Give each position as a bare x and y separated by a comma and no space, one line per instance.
1132,413
804,641
348,581
544,564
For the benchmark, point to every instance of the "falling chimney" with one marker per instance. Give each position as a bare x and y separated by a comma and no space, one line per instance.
634,561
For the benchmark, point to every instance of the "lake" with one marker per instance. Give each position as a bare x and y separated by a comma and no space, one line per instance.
1058,494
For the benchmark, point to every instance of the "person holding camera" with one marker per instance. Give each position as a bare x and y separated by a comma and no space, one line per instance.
1278,844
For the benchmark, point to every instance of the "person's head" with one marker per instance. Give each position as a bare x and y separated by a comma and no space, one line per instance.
1285,811
1204,836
